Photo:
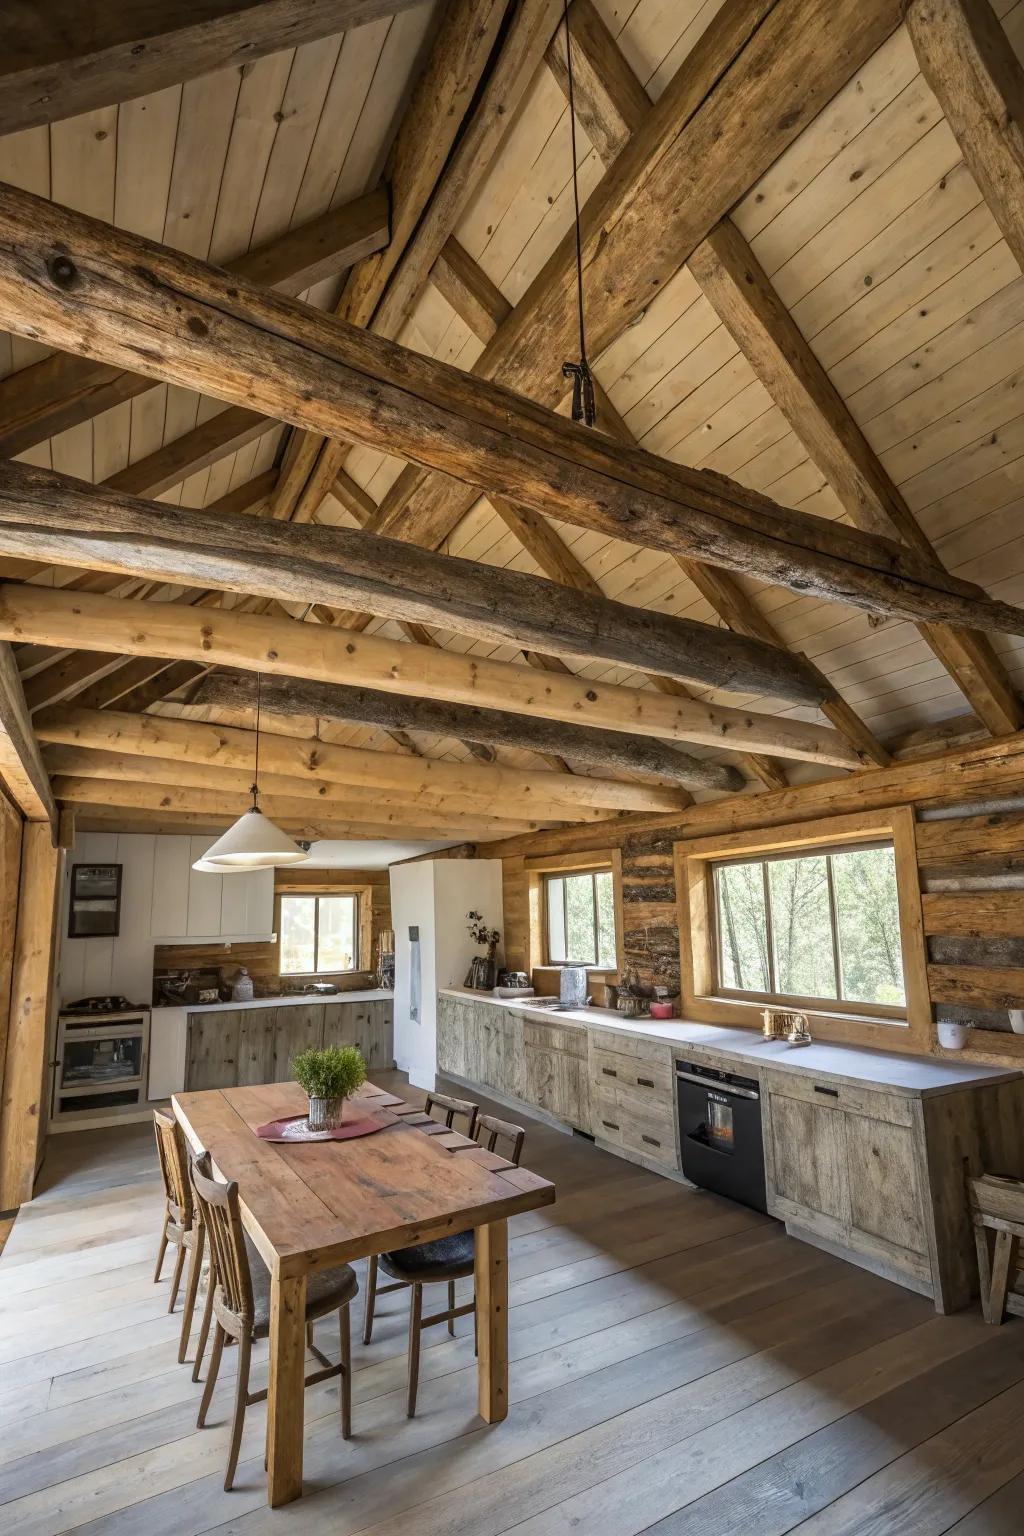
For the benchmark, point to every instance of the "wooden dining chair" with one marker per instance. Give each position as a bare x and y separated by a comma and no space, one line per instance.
448,1259
181,1223
241,1306
451,1107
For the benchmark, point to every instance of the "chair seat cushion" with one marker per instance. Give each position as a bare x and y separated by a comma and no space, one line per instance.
448,1258
326,1290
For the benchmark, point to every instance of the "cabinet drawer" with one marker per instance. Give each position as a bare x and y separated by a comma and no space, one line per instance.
621,1119
632,1045
631,1072
555,1037
893,1108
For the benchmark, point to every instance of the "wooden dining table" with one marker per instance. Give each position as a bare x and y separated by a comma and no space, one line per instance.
313,1205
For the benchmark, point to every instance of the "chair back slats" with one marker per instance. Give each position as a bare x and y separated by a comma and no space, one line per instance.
218,1207
452,1107
489,1130
170,1148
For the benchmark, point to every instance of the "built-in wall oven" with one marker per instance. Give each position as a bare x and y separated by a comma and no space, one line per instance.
720,1132
100,1064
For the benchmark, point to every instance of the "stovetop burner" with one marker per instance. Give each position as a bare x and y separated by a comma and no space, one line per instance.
112,1003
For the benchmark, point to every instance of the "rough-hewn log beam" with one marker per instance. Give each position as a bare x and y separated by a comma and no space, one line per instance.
967,59
77,283
741,293
611,104
287,647
21,766
69,522
321,764
594,749
62,57
754,80
61,391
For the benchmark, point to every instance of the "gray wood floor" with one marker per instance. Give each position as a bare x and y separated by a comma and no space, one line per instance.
679,1366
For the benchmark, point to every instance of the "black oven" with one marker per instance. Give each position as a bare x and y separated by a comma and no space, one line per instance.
720,1132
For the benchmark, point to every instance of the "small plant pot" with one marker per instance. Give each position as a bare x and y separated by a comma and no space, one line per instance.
952,1036
325,1114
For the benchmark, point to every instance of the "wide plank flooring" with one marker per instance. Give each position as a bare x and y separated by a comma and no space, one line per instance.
679,1366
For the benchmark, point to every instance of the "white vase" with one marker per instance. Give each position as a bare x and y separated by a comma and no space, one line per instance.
952,1036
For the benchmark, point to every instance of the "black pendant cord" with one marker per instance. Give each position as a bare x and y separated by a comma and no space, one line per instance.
255,791
584,406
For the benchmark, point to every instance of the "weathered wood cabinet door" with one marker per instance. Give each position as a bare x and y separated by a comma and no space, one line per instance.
299,1028
885,1194
212,1057
555,1066
367,1025
451,1036
256,1030
808,1143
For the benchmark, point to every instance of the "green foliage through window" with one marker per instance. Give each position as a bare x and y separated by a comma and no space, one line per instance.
319,934
821,926
580,911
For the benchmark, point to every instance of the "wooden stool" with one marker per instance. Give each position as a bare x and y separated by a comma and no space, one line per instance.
997,1205
446,1260
181,1225
241,1305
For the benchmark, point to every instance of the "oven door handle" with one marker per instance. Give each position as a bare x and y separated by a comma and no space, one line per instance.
726,1088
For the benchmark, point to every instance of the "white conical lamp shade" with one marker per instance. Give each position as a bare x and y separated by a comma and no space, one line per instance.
253,843
204,867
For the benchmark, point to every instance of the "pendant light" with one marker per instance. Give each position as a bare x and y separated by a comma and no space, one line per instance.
584,405
254,842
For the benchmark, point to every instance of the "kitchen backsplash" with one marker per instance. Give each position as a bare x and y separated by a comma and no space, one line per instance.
182,971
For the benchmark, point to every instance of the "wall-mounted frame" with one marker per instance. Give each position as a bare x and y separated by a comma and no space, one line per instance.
94,905
695,861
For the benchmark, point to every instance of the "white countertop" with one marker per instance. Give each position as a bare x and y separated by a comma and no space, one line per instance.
912,1075
291,999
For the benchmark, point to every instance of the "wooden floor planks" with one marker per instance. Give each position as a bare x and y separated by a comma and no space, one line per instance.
678,1365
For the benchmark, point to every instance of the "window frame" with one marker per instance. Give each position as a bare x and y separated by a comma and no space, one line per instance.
568,874
317,897
776,997
535,868
906,1029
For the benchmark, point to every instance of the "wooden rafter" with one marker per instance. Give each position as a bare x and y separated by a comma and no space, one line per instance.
21,765
969,62
227,338
286,647
62,391
758,62
62,57
596,749
741,294
66,521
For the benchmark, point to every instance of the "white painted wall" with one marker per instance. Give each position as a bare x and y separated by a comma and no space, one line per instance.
162,900
435,895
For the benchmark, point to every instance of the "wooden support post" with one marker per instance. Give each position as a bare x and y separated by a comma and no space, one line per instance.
24,1083
21,765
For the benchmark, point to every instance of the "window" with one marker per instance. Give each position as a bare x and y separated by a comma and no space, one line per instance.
579,912
821,926
319,933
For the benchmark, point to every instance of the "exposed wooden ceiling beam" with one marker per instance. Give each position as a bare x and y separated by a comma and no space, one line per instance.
460,54
66,521
741,294
62,57
229,339
611,104
595,749
969,62
21,765
755,78
287,647
322,765
62,391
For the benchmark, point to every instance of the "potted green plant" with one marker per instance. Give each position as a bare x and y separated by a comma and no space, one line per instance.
329,1077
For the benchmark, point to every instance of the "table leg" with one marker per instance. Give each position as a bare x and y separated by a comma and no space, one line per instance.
286,1388
492,1320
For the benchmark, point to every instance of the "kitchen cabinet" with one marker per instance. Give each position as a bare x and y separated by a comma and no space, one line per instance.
482,1044
555,1071
847,1165
187,903
233,1047
632,1097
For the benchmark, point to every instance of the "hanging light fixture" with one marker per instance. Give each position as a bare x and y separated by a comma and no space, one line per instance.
584,406
253,842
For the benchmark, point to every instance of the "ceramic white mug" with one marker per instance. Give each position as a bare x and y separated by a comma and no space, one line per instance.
1017,1020
952,1036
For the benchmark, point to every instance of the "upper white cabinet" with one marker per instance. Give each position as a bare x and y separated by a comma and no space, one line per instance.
187,904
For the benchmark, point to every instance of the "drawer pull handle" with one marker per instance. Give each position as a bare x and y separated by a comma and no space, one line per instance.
611,1125
830,1093
651,1141
645,1082
609,1072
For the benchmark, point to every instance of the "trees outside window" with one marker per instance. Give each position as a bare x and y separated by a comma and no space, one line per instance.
823,926
580,913
319,934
